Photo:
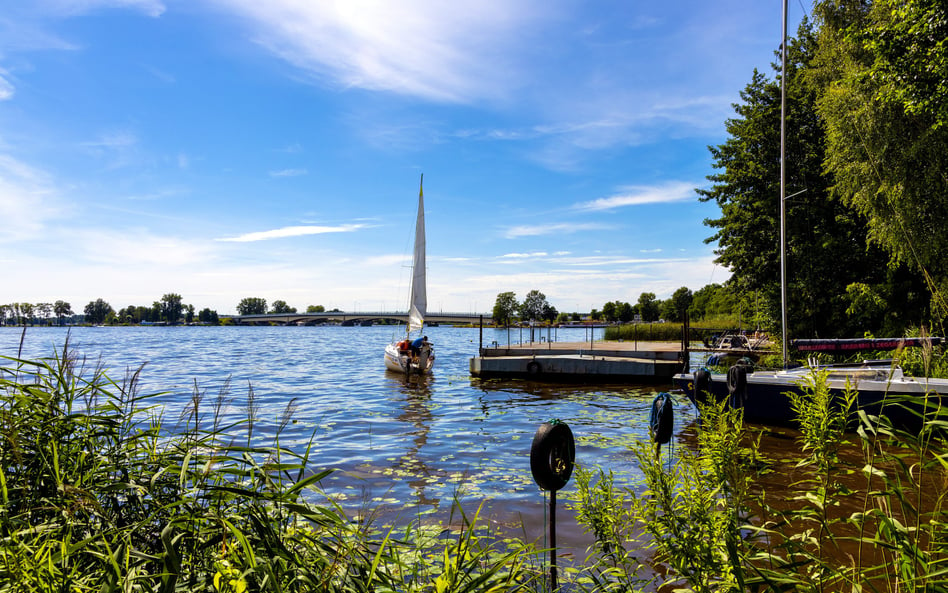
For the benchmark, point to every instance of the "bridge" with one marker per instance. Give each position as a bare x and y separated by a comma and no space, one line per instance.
351,318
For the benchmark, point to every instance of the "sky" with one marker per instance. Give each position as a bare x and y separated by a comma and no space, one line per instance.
223,149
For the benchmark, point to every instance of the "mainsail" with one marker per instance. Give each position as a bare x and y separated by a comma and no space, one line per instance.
419,292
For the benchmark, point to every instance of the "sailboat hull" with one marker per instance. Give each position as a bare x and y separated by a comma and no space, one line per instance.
399,361
765,395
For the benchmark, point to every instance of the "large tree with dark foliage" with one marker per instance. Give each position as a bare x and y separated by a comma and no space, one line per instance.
252,306
505,307
96,311
881,70
825,237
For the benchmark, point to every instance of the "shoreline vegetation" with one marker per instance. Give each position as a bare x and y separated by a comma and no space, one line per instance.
99,492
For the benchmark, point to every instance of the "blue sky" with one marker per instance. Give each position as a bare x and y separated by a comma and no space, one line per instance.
221,149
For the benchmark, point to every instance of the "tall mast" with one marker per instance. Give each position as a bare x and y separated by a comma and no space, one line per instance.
783,188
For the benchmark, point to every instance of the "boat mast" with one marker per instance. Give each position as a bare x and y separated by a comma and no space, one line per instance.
783,188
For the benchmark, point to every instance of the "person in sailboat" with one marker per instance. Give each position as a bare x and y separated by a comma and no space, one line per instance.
417,345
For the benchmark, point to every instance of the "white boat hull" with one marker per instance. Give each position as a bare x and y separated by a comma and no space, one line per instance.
401,362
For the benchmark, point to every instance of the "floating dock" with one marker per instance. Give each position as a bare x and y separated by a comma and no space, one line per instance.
599,362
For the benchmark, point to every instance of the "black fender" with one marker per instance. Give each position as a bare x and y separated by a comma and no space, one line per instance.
737,385
661,420
552,455
702,385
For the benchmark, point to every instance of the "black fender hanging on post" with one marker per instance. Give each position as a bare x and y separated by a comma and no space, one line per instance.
661,420
552,455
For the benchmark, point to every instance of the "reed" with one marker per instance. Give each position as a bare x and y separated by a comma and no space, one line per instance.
98,493
644,332
866,512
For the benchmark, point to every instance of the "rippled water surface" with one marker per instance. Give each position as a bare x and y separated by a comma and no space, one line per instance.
409,444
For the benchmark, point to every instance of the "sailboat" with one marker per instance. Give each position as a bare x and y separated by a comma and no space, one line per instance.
407,355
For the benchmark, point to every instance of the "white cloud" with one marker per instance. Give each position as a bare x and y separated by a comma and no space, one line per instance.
524,255
442,51
549,229
292,231
675,191
27,200
152,8
288,173
6,87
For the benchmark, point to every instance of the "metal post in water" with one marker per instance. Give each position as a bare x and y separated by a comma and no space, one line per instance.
480,345
552,455
553,585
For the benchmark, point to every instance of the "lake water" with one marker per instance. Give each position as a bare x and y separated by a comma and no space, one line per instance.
409,446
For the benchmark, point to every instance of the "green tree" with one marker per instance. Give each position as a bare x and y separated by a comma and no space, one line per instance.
252,306
44,310
315,309
171,307
882,73
609,312
206,315
679,303
533,305
549,313
28,312
97,311
504,308
624,311
280,307
648,306
189,313
825,238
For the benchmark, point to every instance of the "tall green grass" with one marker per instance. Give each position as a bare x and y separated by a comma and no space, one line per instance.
851,521
99,493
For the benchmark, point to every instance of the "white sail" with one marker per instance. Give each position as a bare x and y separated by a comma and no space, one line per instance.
419,292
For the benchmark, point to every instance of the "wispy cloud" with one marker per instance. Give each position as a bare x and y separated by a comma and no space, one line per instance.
550,229
440,51
6,87
676,191
524,255
152,8
27,199
288,173
292,231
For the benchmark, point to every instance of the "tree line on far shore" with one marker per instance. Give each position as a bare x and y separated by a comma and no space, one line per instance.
714,301
170,310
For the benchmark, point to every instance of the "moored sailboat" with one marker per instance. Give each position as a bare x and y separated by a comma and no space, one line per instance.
407,355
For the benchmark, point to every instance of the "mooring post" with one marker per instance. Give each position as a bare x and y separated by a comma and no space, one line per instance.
480,344
553,585
552,456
